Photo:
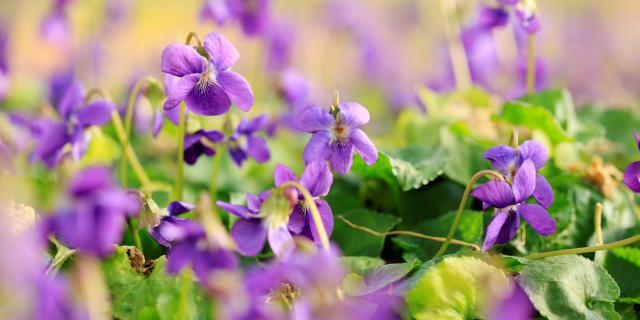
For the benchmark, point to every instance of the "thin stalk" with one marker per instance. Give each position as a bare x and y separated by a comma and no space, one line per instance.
456,48
184,294
129,153
315,214
607,246
463,202
406,233
177,192
598,223
531,64
215,170
136,237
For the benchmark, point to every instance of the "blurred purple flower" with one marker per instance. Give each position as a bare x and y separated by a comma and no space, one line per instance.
294,89
510,202
279,40
528,20
244,142
253,15
508,161
4,62
206,85
216,10
491,17
515,306
336,136
632,172
55,25
194,146
316,178
170,223
94,223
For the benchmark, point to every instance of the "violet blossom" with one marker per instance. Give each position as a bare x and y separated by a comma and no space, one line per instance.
195,144
632,171
4,62
244,141
205,83
55,26
336,135
510,202
253,15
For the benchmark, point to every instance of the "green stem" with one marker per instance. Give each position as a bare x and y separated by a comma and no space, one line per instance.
315,214
177,192
128,123
531,64
215,169
463,202
129,153
134,233
184,294
607,246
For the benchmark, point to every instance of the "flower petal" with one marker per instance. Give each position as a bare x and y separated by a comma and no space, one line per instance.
281,242
632,176
71,100
221,52
177,90
538,218
179,207
534,151
179,256
257,149
341,157
354,114
364,146
497,194
238,155
297,221
97,113
208,100
90,180
237,88
180,60
312,119
493,230
158,121
237,210
543,192
637,138
501,157
524,182
249,235
317,178
327,219
317,147
282,174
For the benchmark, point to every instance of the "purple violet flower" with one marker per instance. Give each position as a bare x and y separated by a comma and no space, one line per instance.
55,26
244,142
4,62
215,10
335,136
163,229
279,40
632,172
509,200
294,89
515,306
508,161
94,223
528,20
316,178
491,17
206,84
194,145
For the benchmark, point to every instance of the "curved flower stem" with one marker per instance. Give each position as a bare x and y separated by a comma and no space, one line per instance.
607,246
136,237
597,219
531,64
315,214
463,201
129,153
193,35
457,52
177,192
128,122
405,233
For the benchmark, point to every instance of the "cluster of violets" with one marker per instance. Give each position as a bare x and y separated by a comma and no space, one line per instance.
303,279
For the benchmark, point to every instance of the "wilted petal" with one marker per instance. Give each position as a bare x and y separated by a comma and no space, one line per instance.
257,149
317,178
179,207
632,176
493,230
524,182
249,235
317,147
237,88
313,119
534,151
180,60
237,210
340,157
178,89
222,53
209,99
501,157
354,114
281,242
364,146
179,255
327,219
543,192
538,218
96,113
497,194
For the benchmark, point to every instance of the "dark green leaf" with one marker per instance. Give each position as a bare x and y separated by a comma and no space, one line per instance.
533,117
355,242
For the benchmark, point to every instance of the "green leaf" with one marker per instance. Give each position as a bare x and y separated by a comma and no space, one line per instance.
624,265
465,156
455,288
570,287
138,295
533,117
359,265
560,103
366,244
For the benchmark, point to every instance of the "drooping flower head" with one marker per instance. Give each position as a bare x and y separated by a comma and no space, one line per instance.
336,134
632,172
510,201
245,142
94,221
205,83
